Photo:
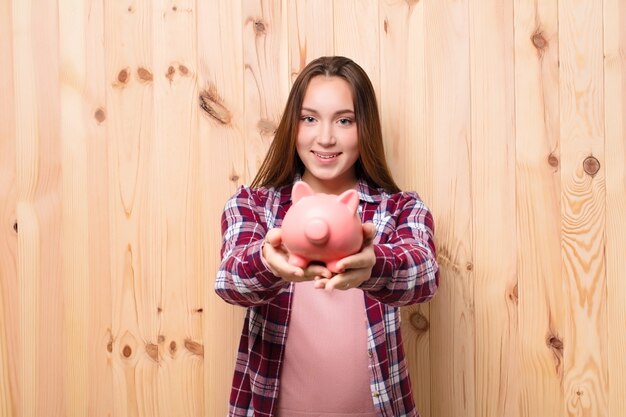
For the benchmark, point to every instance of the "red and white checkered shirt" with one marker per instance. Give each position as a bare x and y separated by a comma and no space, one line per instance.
405,273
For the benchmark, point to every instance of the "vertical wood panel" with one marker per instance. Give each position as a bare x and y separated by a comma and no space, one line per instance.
266,77
10,343
310,31
541,315
99,309
452,329
36,89
136,215
173,170
583,207
615,114
357,35
74,242
493,192
403,110
222,169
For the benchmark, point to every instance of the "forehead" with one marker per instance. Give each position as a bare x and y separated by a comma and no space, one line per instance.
328,91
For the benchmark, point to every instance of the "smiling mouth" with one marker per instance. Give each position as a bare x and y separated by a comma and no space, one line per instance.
326,155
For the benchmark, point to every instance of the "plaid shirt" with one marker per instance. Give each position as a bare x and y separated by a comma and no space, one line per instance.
405,273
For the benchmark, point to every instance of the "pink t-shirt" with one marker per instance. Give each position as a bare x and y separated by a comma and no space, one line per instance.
325,371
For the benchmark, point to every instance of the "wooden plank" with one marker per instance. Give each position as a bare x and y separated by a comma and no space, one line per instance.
493,198
35,60
179,385
221,170
403,113
447,116
95,113
266,76
538,191
136,220
357,35
74,242
615,155
310,32
583,207
10,344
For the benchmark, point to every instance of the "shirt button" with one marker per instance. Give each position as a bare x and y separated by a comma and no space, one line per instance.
369,353
376,394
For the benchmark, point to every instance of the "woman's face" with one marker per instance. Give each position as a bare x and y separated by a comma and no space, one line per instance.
327,141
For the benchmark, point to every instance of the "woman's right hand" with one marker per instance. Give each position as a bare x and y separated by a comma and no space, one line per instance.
276,257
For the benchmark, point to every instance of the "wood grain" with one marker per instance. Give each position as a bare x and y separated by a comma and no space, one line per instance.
266,78
615,155
174,195
452,327
493,201
538,191
221,160
99,309
357,35
310,32
10,343
403,86
136,220
74,242
583,201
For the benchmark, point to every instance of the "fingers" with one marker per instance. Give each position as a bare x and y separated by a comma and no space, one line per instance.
274,237
369,232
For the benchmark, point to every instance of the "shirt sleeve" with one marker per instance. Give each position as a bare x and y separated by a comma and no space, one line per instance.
243,278
406,270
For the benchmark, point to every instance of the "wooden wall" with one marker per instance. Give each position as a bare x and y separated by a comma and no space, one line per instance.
125,125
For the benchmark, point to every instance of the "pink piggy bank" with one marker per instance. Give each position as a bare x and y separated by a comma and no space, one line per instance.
321,227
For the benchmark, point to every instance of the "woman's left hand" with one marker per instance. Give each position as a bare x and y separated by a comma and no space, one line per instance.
356,268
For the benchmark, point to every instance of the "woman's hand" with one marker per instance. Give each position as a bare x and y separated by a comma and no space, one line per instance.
356,268
276,256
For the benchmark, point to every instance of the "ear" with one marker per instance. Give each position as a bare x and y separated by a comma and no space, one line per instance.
300,190
351,199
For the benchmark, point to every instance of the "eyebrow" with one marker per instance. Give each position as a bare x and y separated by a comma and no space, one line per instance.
309,110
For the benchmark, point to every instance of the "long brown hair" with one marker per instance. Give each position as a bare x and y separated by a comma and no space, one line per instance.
282,162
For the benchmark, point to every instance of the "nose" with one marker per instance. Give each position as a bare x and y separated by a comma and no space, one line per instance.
326,135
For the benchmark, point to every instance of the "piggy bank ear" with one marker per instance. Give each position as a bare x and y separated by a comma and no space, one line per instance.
351,199
300,189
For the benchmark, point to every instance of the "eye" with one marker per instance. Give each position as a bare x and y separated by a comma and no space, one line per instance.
308,119
345,121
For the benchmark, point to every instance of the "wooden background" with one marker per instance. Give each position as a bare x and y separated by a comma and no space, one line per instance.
125,125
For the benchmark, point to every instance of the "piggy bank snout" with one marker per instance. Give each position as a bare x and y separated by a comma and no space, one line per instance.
317,231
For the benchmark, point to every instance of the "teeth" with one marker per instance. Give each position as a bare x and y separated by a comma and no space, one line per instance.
326,156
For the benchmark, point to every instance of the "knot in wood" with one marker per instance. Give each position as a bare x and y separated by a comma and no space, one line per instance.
419,322
591,165
553,161
144,74
170,72
173,347
100,115
555,343
194,347
153,351
183,69
122,76
513,296
15,226
259,27
539,41
127,351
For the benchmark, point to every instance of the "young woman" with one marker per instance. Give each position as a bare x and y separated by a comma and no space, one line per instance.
305,349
